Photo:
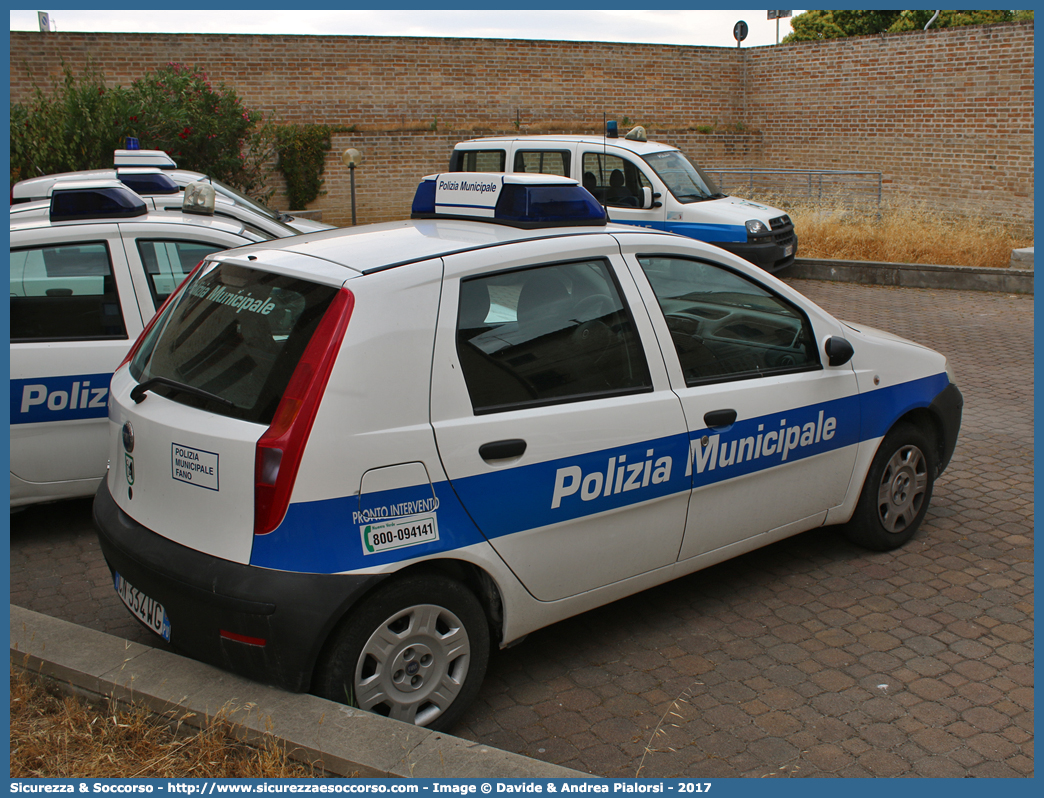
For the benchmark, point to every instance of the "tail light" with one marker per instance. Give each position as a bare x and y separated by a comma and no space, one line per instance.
278,453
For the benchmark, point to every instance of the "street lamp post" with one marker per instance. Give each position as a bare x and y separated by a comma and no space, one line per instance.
352,158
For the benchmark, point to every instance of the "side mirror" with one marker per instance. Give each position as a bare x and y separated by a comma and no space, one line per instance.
649,199
838,351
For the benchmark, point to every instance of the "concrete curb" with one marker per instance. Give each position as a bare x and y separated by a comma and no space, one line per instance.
912,275
332,737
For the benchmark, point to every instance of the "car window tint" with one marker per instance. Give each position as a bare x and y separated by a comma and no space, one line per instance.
542,162
167,263
725,326
236,333
613,180
480,160
64,292
545,335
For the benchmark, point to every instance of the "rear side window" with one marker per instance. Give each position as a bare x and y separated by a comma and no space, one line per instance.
64,293
551,334
167,263
542,162
233,333
478,161
726,327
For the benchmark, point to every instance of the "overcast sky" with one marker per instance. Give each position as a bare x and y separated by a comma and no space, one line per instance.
702,28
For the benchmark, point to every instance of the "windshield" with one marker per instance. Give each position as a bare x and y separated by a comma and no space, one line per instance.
686,182
243,199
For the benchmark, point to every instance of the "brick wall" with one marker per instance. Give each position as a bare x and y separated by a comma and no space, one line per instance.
946,115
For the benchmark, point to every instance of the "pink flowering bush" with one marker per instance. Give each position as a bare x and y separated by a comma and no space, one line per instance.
175,108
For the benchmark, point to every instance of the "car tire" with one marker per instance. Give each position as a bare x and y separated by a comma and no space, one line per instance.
416,651
897,491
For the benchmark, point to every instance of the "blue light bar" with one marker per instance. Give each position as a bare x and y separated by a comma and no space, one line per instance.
518,200
148,183
70,202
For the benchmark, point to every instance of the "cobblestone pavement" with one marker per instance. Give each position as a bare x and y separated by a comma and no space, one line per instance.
807,658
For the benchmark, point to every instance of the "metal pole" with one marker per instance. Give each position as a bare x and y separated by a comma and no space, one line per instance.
351,171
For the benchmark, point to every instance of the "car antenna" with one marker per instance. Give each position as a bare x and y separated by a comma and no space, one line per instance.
601,166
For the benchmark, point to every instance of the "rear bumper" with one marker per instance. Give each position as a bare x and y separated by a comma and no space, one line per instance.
264,624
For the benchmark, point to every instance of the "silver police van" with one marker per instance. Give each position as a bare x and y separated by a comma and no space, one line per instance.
352,462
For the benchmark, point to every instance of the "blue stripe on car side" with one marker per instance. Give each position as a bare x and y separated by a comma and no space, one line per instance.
325,536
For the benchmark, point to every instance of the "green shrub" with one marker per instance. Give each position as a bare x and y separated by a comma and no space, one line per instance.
302,158
79,123
75,126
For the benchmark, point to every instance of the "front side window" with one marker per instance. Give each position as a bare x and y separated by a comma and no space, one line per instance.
167,263
545,335
64,293
236,334
613,181
542,162
726,327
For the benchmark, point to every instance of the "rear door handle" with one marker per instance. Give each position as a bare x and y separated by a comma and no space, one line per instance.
502,450
719,418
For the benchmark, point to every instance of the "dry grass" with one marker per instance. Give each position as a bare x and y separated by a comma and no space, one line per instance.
62,736
904,235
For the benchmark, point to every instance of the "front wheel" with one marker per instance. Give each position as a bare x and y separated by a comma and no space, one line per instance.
416,651
897,491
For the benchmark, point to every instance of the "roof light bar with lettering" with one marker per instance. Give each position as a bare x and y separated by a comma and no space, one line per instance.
518,200
72,200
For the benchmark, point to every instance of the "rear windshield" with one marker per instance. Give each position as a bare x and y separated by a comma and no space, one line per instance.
236,334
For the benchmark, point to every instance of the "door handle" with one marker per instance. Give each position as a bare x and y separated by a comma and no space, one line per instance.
719,418
502,450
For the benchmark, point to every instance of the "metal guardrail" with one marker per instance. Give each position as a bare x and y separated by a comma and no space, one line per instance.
850,188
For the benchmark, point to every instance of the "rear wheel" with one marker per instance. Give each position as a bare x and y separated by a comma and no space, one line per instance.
416,651
897,491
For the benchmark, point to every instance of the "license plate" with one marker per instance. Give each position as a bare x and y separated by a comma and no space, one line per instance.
788,250
149,611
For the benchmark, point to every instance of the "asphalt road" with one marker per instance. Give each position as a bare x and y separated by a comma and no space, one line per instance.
807,658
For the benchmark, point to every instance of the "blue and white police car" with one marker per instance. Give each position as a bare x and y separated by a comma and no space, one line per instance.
645,183
89,266
350,462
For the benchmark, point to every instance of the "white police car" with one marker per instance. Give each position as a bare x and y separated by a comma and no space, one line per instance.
644,183
348,461
88,268
131,165
163,193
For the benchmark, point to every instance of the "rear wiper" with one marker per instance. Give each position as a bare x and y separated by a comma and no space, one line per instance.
139,391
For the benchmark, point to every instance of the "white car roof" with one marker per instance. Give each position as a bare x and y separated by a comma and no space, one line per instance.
372,248
638,147
35,216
